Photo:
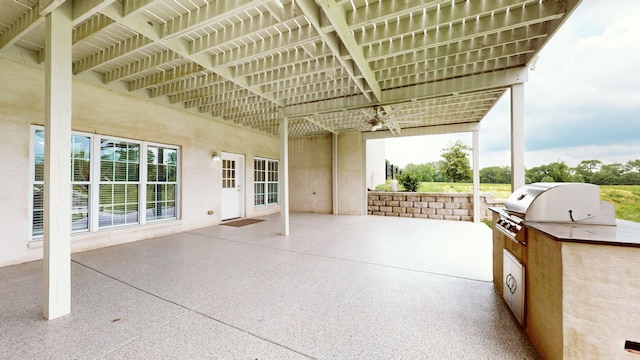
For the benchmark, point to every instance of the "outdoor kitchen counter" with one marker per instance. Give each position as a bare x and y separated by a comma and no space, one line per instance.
625,233
581,287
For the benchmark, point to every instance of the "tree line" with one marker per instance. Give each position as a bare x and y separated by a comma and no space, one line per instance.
455,167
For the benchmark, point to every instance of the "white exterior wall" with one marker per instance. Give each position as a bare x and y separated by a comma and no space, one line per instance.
310,177
310,187
376,172
105,112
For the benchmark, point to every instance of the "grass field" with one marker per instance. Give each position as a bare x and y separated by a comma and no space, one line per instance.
626,198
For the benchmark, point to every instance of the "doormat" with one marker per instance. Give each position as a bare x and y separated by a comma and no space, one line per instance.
242,222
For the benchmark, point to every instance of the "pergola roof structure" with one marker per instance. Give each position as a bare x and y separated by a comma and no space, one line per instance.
328,66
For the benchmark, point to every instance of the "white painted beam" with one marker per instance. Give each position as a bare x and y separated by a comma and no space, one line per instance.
229,36
464,31
56,294
257,50
186,85
490,45
91,28
336,17
284,176
517,136
488,81
132,7
207,14
150,62
318,123
179,46
111,53
310,9
46,7
85,9
427,130
25,23
169,75
464,14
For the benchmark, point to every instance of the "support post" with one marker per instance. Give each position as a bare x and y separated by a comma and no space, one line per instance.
365,191
284,177
56,292
476,176
517,136
334,173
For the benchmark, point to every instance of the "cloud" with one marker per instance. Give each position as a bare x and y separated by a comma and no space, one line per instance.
583,100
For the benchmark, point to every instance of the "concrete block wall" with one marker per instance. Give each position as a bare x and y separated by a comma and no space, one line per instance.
441,206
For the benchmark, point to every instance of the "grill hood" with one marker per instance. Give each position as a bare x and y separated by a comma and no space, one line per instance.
561,202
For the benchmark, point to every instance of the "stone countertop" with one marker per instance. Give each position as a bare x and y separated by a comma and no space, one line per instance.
624,233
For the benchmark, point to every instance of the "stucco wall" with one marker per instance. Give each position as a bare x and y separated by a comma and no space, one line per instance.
351,197
376,168
310,174
105,112
600,300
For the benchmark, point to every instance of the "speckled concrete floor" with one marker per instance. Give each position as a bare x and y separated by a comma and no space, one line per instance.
340,287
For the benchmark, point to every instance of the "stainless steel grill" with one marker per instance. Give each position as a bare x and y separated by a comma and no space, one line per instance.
571,203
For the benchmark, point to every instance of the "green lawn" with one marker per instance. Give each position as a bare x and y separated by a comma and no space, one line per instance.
626,198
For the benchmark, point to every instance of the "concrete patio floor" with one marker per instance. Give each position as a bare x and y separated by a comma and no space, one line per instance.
339,287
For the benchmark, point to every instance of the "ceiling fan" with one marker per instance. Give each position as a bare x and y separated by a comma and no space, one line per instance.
382,117
379,118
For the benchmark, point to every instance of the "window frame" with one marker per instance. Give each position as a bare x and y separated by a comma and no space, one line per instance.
263,178
95,182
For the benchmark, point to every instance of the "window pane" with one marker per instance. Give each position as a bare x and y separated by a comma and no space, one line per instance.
132,172
258,194
161,202
152,155
118,204
79,207
39,155
80,170
172,173
38,210
106,170
152,172
272,196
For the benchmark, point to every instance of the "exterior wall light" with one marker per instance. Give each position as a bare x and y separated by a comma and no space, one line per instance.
215,157
632,347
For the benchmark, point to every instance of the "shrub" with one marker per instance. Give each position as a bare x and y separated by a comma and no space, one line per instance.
410,181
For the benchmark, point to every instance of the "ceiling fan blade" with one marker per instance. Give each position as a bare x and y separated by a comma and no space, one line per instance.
390,113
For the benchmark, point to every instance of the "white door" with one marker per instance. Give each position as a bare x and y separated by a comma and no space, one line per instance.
232,190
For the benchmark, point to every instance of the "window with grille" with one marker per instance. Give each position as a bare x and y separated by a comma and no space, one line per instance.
265,177
162,182
228,174
119,183
80,182
114,187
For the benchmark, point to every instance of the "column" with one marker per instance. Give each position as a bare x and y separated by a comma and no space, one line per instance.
517,136
334,172
476,176
56,292
284,177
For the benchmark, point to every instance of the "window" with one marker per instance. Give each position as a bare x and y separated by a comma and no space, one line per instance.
119,183
112,188
162,181
37,220
80,182
265,177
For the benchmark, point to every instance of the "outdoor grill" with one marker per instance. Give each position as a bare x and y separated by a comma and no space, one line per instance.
570,203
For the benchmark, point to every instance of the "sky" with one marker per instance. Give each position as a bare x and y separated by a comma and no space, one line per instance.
582,101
